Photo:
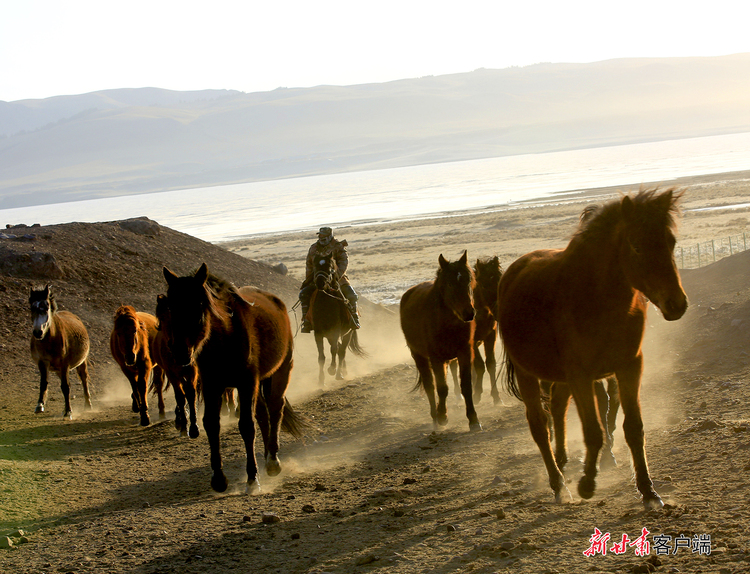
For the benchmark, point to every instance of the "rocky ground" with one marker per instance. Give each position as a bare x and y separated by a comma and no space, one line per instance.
371,487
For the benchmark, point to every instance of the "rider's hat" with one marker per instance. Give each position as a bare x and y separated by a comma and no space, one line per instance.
325,232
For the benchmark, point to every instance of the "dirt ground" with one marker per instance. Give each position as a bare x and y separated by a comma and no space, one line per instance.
371,488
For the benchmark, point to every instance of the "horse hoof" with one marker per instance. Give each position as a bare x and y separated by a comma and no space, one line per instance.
475,427
183,432
162,415
68,416
39,408
653,502
497,400
586,487
442,420
145,420
194,432
273,467
87,406
219,482
477,399
253,487
608,460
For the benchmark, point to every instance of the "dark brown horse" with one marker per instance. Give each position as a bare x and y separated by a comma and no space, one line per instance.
236,338
487,273
59,342
437,318
132,344
330,319
182,377
578,314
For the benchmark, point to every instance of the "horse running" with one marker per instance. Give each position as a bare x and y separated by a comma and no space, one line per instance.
182,377
487,273
330,319
437,318
132,347
578,314
59,342
236,338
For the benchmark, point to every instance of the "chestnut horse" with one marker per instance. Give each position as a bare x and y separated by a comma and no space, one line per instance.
437,318
236,338
330,319
487,273
132,347
578,314
182,377
59,342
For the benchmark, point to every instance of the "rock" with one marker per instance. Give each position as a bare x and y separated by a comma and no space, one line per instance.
507,546
270,518
398,513
410,481
367,559
295,536
141,226
5,542
247,518
500,514
35,265
451,528
309,508
320,487
280,268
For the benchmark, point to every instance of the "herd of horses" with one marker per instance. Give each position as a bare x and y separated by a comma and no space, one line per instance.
568,319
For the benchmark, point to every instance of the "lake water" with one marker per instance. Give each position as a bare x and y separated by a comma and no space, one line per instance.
231,211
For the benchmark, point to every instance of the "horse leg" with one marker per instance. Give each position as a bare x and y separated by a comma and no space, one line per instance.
559,403
478,374
453,366
83,374
465,369
262,417
321,359
441,387
602,400
157,378
345,340
334,341
529,389
191,395
42,387
425,376
491,364
629,382
593,434
65,387
180,419
249,396
142,388
614,406
135,400
212,426
275,390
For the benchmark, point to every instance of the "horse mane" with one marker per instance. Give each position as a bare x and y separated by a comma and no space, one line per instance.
597,221
124,314
222,295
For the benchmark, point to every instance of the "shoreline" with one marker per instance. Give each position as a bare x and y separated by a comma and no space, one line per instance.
387,257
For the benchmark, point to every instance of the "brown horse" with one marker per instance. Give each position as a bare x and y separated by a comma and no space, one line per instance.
182,377
330,319
578,314
487,273
437,318
132,344
236,338
59,342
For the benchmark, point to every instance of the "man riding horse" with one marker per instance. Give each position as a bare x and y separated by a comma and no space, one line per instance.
327,245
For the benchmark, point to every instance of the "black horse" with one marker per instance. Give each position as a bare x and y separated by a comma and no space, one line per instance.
331,319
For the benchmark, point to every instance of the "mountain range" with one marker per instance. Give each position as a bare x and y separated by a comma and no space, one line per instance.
126,141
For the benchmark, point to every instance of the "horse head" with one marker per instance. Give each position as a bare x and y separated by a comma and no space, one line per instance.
127,326
324,271
455,282
647,250
184,314
42,304
488,273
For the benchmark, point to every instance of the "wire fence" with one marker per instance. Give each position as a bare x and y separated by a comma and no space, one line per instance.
701,254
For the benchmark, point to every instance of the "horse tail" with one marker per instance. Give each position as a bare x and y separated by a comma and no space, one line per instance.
291,422
418,384
511,384
355,347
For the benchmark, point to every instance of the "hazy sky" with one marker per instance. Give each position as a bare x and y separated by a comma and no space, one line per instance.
56,47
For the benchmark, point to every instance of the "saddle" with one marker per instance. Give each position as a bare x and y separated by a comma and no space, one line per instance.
336,294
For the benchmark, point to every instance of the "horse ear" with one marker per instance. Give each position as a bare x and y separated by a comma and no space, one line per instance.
168,276
443,261
202,274
46,291
628,207
464,257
